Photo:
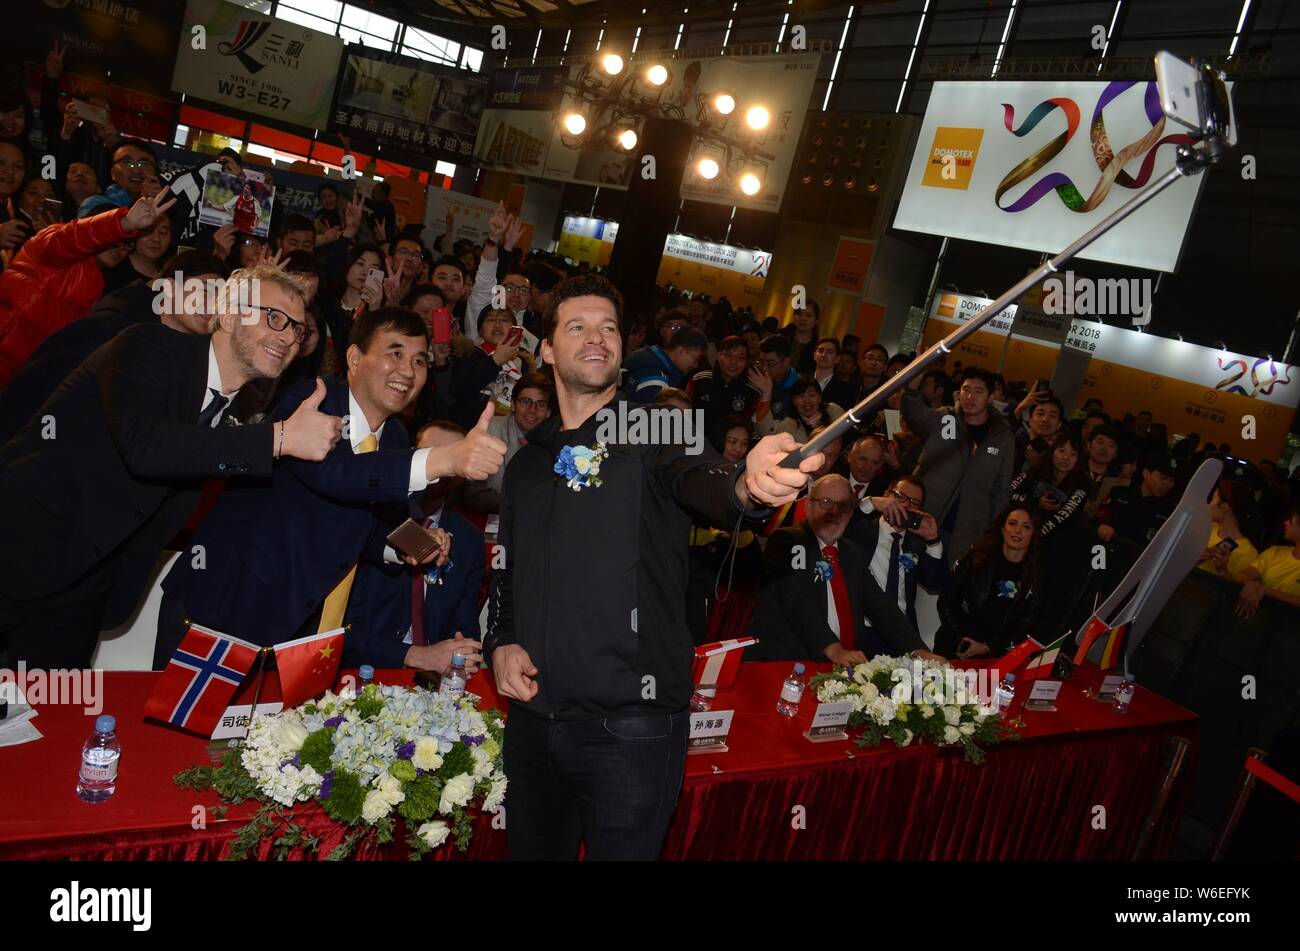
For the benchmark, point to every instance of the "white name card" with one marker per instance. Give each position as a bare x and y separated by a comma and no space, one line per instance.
234,722
829,720
1110,685
1042,695
709,731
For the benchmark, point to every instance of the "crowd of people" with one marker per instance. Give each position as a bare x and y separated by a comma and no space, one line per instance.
985,492
340,434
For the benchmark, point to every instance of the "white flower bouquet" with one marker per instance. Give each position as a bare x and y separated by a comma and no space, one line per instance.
367,760
910,701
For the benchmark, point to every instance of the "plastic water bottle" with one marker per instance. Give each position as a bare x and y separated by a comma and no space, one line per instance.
1006,692
366,675
1123,696
791,692
99,758
453,682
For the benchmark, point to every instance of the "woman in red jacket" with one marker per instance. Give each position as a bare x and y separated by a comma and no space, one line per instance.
57,275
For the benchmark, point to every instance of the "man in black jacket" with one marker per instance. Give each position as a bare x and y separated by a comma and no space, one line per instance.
817,591
587,631
139,302
101,480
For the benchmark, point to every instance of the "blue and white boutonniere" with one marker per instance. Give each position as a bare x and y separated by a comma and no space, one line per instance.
580,465
436,574
824,570
1007,589
906,561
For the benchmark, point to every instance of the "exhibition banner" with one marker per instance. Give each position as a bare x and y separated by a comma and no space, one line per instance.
257,64
135,40
408,104
781,84
1188,387
718,270
519,121
471,216
587,239
1034,165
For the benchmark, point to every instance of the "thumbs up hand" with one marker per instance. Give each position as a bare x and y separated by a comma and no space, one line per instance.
310,434
477,456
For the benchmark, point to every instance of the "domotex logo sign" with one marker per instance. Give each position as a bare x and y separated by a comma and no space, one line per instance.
952,157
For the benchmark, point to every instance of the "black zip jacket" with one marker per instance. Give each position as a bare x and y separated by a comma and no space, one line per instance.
594,586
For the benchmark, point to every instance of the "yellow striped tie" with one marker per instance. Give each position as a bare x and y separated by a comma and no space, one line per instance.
336,604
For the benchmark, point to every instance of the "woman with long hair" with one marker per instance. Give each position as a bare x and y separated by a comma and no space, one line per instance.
995,600
1233,518
1056,486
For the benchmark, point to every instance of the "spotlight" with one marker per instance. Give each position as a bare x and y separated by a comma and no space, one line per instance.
627,139
707,168
724,103
657,74
758,117
612,64
750,183
575,123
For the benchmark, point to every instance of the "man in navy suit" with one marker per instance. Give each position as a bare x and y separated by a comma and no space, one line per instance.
417,616
266,559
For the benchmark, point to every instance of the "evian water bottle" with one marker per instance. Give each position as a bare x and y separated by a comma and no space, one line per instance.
99,758
791,692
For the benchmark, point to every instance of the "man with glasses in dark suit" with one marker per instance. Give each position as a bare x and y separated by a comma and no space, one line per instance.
112,465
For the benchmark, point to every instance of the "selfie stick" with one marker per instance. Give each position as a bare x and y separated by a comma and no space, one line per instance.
1211,148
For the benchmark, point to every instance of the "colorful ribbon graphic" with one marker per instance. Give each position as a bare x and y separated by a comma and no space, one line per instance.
1110,163
1229,383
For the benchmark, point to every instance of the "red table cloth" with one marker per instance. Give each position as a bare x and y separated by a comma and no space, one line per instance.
773,795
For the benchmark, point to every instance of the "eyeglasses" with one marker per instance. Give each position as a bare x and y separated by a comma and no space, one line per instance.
772,363
827,505
408,253
906,499
516,288
526,402
134,164
277,320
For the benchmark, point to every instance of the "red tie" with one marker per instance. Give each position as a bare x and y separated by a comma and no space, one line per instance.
840,592
417,602
862,487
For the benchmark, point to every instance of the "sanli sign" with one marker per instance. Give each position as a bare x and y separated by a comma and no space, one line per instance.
257,64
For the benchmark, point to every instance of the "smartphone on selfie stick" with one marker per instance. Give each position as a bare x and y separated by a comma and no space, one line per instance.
1194,95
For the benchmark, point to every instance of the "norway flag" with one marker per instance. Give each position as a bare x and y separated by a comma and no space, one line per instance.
200,679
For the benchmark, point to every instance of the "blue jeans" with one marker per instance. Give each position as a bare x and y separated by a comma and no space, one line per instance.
611,783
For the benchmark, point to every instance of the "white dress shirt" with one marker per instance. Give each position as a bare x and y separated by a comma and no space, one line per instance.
832,616
214,383
880,560
358,430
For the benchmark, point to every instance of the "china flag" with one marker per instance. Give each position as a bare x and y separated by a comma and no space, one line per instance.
308,665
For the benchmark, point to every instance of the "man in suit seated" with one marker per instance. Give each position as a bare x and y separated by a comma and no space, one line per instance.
276,559
817,590
105,476
404,616
900,556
